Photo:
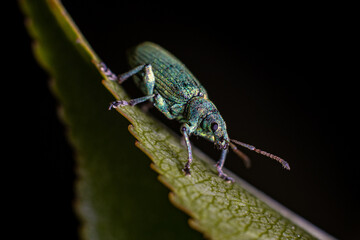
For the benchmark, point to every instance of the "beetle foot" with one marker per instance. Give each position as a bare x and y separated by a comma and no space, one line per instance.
120,103
226,178
186,170
107,72
223,175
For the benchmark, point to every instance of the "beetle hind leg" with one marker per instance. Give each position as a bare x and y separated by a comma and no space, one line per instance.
148,83
131,102
149,77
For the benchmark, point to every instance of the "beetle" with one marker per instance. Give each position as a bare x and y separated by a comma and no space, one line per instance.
176,93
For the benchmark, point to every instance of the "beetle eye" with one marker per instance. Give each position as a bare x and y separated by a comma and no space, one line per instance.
214,126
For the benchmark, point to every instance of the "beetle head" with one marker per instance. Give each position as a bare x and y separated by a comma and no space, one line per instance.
215,125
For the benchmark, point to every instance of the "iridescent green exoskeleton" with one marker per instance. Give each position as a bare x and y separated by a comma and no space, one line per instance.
176,93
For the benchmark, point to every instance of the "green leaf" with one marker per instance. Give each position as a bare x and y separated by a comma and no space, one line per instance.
118,196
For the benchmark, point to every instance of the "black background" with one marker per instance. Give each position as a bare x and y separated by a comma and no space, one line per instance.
279,74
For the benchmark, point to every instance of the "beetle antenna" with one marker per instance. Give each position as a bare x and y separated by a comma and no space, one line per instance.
242,155
269,155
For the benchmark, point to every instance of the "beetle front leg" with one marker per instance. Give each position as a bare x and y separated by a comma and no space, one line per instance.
219,166
185,131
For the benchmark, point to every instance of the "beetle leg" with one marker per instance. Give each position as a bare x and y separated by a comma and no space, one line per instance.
149,79
184,130
122,77
131,102
219,166
163,107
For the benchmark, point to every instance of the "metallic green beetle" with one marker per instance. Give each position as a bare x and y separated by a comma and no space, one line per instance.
176,93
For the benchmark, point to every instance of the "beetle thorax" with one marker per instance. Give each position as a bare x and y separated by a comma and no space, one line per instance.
199,107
